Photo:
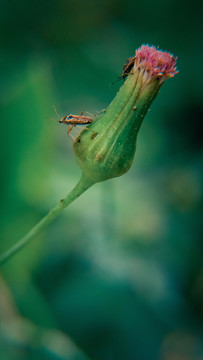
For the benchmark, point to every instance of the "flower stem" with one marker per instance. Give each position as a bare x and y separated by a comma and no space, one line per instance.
82,185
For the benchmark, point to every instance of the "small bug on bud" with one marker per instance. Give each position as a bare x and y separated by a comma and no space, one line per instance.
107,149
74,120
127,67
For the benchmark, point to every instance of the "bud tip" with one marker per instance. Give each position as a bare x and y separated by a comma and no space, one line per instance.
156,62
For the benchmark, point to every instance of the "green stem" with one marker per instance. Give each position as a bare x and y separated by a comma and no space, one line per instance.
82,185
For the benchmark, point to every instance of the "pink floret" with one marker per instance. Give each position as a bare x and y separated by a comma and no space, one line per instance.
156,62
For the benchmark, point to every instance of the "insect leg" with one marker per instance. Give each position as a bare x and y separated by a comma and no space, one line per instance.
88,113
70,128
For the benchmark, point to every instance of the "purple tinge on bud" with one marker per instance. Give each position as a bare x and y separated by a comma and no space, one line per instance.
156,63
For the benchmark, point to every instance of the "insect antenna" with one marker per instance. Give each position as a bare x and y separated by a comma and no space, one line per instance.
57,114
119,78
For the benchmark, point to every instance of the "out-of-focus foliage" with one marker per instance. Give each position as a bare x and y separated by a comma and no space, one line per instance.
120,274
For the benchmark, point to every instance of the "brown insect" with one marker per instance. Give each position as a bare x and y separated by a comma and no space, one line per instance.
128,66
74,120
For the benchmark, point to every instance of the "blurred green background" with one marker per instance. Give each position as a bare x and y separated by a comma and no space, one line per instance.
120,274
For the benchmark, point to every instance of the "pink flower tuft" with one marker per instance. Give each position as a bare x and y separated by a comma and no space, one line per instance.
156,62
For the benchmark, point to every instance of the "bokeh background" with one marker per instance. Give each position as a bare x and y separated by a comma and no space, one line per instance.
120,274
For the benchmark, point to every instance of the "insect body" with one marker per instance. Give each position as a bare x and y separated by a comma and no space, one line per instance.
74,120
128,66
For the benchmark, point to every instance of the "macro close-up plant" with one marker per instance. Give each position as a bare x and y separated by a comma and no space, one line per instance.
105,148
101,181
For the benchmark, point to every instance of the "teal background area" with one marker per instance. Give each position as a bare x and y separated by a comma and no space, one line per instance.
120,274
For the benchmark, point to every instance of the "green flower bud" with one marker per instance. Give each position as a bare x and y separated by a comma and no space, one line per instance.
106,148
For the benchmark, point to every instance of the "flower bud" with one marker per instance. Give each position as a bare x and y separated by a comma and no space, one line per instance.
106,148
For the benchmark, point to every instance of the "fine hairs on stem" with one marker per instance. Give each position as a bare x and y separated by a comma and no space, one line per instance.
106,147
